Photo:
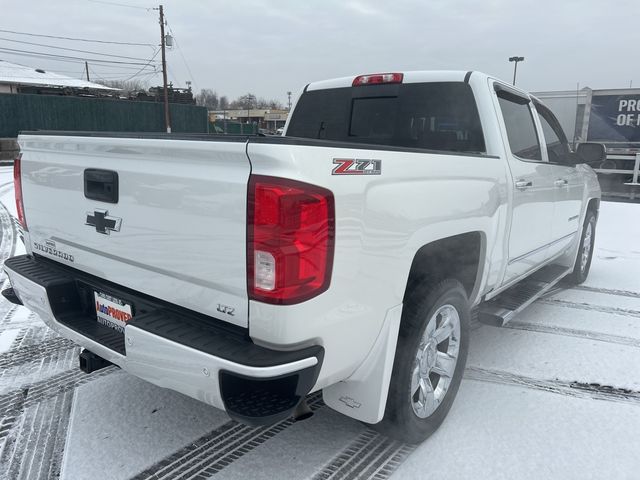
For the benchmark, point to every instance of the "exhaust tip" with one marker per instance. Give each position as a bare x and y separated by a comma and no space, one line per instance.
302,411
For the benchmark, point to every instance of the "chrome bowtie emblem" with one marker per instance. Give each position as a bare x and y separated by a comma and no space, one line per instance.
102,222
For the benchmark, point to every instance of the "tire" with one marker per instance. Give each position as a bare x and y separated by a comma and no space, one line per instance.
407,417
585,251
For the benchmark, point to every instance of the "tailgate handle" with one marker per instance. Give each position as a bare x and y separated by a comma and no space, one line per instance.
101,185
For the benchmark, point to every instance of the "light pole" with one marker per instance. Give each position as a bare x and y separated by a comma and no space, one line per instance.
515,66
289,95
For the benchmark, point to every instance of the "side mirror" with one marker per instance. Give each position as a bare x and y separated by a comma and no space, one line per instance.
592,153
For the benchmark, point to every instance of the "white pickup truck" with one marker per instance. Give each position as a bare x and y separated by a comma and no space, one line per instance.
347,256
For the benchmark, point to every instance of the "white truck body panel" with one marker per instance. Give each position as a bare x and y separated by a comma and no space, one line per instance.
183,211
376,240
183,237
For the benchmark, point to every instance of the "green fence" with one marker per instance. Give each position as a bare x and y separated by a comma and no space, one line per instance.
20,112
233,128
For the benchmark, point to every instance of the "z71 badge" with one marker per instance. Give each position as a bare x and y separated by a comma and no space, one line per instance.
356,166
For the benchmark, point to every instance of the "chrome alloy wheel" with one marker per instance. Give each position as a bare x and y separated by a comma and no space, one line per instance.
435,361
586,247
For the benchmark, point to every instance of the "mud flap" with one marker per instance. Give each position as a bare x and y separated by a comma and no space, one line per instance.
363,395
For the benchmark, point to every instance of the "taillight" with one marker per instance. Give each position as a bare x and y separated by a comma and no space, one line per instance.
377,79
291,227
17,184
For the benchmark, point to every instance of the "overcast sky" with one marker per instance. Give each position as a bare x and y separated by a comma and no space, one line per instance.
269,47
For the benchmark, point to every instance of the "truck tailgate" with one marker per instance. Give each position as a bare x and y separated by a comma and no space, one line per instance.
177,231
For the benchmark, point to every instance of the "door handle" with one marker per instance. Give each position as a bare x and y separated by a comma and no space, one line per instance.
523,184
561,182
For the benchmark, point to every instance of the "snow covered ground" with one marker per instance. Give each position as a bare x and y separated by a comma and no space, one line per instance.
556,394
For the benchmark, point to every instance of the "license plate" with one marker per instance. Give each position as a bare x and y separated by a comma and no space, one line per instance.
112,312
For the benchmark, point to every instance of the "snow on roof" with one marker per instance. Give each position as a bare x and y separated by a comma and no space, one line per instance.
14,73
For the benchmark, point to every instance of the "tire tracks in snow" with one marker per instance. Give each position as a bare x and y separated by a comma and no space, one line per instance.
591,307
34,418
218,449
371,455
6,323
18,405
619,293
572,332
8,241
561,387
9,234
35,447
23,354
36,351
47,388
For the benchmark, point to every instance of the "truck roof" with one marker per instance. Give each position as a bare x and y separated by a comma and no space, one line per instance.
417,76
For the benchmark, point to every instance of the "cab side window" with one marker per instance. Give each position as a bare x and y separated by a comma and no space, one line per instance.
521,130
554,138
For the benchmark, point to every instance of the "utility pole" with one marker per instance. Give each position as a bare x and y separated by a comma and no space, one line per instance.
167,120
249,102
86,67
289,95
515,67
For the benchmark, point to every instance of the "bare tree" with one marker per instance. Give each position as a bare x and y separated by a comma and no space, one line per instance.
208,98
249,100
126,86
246,101
274,105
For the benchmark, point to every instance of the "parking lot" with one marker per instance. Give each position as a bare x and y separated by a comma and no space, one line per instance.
554,394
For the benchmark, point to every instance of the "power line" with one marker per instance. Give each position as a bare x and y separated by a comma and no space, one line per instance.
42,57
20,67
78,39
138,72
82,59
110,74
109,78
122,5
184,60
120,77
172,76
72,49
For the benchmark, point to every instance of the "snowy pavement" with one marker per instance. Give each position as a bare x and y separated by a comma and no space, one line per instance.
555,394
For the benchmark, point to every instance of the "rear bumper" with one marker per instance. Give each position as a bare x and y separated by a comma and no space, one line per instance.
171,347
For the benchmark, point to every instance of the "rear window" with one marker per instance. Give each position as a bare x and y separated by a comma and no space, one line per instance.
434,116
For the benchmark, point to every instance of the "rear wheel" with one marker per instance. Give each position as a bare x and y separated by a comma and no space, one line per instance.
429,362
585,252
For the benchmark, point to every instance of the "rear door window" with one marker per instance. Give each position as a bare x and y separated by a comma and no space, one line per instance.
521,130
434,116
554,137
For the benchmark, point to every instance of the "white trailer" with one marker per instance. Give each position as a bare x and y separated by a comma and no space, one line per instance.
611,117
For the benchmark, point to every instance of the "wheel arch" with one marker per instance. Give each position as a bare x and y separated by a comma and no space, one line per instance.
458,256
594,206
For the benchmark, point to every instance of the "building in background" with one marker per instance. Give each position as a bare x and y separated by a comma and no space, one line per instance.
265,119
611,117
35,99
16,78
